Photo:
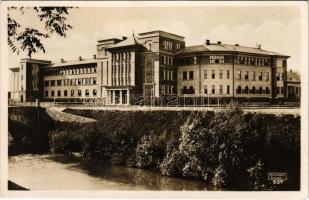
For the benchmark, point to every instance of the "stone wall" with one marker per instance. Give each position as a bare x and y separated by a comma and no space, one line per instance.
66,117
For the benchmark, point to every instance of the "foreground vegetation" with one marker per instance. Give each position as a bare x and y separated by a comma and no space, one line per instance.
230,149
226,149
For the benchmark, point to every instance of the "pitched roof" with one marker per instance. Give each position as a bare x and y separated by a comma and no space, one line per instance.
131,41
74,62
227,47
293,76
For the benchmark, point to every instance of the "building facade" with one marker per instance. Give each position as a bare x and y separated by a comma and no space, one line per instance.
293,86
151,67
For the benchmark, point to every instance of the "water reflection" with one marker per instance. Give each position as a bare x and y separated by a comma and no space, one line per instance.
41,171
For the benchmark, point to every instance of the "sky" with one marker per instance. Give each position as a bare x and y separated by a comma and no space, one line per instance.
276,28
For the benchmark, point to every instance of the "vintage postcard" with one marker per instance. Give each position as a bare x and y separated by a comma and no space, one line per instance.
163,99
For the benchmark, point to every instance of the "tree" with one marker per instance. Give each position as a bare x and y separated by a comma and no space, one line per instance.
29,38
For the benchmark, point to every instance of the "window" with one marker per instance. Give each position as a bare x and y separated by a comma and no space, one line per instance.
246,90
221,89
261,90
213,75
241,60
59,93
205,89
195,60
266,76
284,63
267,90
52,93
184,75
278,90
191,90
282,90
58,82
46,83
72,93
191,75
52,82
94,81
238,74
253,76
246,75
253,90
261,76
87,92
65,93
79,93
205,74
184,90
227,89
228,74
168,45
216,59
46,93
213,90
94,92
221,74
278,76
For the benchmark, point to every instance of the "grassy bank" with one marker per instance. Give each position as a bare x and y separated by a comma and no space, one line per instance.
227,149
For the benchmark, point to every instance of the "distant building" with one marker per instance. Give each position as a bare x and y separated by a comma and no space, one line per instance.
152,67
293,86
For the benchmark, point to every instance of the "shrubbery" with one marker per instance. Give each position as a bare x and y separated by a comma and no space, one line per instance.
228,149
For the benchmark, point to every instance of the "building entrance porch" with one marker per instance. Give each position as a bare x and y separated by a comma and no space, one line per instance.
118,96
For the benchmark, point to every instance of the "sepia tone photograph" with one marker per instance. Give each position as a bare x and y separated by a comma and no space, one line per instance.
154,96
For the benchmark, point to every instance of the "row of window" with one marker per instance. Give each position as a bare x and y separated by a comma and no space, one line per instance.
120,69
167,89
79,70
221,75
245,60
214,59
121,81
168,75
74,81
221,59
213,74
168,45
72,93
253,75
121,56
166,60
188,75
219,89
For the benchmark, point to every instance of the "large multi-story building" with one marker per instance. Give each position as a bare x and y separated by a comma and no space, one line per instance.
152,67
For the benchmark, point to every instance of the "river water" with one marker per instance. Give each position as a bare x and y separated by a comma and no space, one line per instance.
58,172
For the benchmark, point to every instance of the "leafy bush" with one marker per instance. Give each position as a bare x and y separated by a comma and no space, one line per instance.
228,149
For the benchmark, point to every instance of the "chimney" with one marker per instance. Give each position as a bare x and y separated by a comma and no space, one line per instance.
94,56
124,37
258,46
207,42
237,45
219,42
79,58
62,60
